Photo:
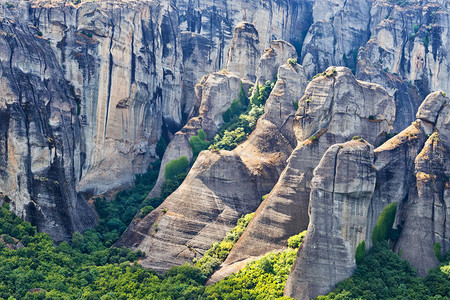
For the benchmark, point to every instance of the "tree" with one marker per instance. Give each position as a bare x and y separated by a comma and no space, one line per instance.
176,167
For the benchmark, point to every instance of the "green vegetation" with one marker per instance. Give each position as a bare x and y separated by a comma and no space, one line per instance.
426,40
41,270
240,119
330,73
115,215
360,252
295,104
437,250
291,62
383,228
218,252
161,147
295,240
198,143
237,106
382,274
264,278
176,167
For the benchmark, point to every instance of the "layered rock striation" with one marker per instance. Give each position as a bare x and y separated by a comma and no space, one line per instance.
222,185
411,169
335,108
39,134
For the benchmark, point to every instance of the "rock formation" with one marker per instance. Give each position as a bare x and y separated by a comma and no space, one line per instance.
221,186
39,130
335,108
341,191
411,169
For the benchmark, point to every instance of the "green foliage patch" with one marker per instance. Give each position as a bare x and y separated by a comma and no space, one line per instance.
382,274
218,252
198,143
295,240
241,118
176,167
382,230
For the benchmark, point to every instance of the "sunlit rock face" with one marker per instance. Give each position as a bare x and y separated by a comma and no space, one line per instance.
411,169
329,112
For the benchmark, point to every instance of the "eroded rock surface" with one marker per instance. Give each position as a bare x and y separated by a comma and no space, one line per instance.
341,192
39,130
335,108
411,169
221,186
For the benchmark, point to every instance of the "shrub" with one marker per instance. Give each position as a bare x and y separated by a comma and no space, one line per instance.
295,103
291,62
295,240
176,167
198,142
437,249
360,252
382,229
161,147
145,211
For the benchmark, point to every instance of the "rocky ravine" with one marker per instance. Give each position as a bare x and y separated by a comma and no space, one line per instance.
352,185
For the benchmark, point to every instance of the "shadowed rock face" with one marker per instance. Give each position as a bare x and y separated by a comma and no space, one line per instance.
39,130
221,186
333,109
341,191
411,169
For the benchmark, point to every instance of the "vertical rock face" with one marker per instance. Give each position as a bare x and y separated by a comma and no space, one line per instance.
405,54
334,108
124,63
426,209
221,186
341,191
244,51
275,55
412,170
214,95
39,130
339,29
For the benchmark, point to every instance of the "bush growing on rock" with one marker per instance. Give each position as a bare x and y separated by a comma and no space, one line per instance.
382,229
176,167
295,240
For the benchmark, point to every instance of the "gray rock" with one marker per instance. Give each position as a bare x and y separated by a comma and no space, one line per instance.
341,191
221,186
333,109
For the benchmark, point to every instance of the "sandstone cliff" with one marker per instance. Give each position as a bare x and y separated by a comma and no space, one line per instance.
411,169
335,108
39,130
221,186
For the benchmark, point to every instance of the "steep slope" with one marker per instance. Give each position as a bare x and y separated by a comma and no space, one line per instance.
39,148
341,191
411,170
222,185
334,108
